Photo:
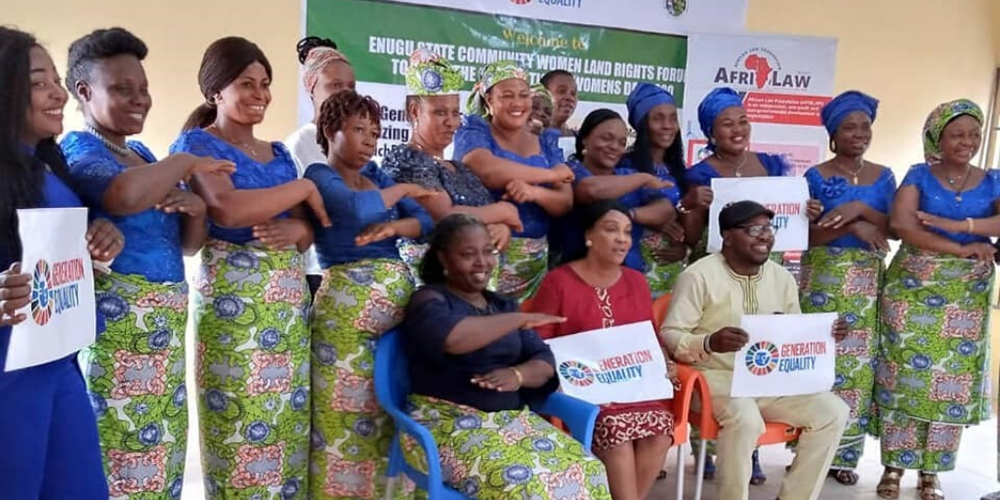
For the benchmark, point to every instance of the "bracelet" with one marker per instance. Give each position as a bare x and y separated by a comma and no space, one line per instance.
681,209
631,213
705,345
972,225
520,379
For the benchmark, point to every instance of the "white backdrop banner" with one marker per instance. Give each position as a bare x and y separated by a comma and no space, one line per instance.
785,196
621,364
61,313
787,355
784,81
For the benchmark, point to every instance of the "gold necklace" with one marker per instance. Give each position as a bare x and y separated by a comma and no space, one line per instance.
738,169
249,148
965,180
436,158
854,174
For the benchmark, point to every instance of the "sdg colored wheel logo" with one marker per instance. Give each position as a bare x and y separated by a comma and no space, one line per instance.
41,301
520,2
762,358
576,373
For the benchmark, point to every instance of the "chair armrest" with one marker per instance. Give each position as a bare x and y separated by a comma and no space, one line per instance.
580,416
706,422
406,424
690,383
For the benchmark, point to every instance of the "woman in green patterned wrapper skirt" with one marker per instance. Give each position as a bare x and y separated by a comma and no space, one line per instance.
475,364
434,109
842,270
365,287
933,362
135,370
496,144
251,308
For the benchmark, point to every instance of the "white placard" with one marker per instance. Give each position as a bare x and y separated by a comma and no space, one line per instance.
621,364
787,355
61,314
786,196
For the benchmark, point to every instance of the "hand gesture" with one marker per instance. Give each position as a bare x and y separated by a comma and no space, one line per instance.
948,225
521,192
979,251
104,240
868,233
15,293
842,215
180,201
673,230
534,320
315,203
376,232
728,339
672,373
699,197
510,216
840,329
653,182
278,234
500,380
418,192
813,209
209,165
499,235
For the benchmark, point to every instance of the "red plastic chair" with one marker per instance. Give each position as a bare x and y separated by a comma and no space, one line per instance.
774,432
660,308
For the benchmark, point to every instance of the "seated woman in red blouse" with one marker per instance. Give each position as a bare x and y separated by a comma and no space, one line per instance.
596,291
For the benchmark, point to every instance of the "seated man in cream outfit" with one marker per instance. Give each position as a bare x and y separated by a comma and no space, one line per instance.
702,329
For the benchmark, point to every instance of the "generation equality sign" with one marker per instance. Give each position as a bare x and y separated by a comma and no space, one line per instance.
785,196
607,62
621,364
784,80
61,313
787,355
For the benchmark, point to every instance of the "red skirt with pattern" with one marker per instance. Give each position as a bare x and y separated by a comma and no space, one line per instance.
621,423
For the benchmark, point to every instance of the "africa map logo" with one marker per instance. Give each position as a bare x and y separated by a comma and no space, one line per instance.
41,301
762,358
576,373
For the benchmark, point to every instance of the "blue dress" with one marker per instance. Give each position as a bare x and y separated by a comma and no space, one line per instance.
46,415
572,231
353,211
935,199
475,133
702,173
835,191
152,237
249,174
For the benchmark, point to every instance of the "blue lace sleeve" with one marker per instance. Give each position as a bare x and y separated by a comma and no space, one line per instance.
814,179
408,207
473,134
549,142
994,177
200,143
341,202
701,174
91,170
580,172
915,176
776,165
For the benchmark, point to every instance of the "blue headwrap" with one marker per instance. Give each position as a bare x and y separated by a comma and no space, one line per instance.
643,98
714,103
844,104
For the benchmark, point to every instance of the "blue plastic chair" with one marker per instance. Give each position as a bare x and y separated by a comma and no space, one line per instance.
392,386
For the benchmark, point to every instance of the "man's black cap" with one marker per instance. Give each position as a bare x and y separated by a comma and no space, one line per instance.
738,213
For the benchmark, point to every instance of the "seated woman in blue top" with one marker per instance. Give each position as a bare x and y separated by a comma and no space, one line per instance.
724,122
475,364
122,181
842,270
253,336
659,151
497,145
48,435
432,106
365,287
931,377
600,144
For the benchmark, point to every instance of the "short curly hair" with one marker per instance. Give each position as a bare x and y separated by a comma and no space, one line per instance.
338,108
100,44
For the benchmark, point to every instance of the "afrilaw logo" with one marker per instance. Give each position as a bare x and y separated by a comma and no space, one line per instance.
576,4
55,289
611,370
764,357
759,67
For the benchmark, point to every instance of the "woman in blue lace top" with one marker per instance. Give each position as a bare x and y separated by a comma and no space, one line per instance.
434,110
842,270
365,288
497,145
933,361
144,299
253,336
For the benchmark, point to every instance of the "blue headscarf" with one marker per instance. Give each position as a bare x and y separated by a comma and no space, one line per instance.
643,98
844,104
714,103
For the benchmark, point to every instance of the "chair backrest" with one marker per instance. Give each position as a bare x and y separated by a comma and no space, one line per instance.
526,305
392,382
660,307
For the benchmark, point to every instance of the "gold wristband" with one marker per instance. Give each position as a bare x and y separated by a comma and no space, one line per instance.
972,225
520,379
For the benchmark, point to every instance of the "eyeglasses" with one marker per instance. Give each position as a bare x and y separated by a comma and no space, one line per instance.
757,230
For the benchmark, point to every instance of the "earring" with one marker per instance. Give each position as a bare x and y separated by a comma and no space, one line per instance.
711,140
589,243
833,145
416,124
583,151
445,272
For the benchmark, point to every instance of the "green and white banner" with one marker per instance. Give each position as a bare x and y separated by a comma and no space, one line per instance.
378,37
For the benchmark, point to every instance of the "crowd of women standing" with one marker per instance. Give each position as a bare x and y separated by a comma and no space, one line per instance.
285,349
